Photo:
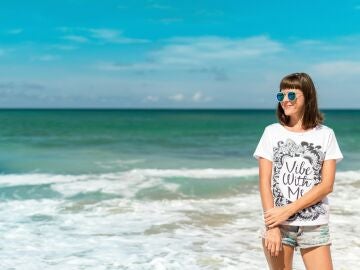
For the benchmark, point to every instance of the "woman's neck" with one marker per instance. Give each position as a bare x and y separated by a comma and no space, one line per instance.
296,123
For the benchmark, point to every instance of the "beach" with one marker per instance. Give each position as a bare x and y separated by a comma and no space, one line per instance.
150,189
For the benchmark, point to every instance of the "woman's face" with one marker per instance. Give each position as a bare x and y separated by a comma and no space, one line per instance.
293,107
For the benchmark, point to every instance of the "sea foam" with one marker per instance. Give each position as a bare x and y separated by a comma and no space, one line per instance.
125,232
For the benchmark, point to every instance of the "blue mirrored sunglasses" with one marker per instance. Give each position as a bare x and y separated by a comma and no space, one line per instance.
291,96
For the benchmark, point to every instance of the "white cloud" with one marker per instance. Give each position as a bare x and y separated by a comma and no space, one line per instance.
108,66
309,42
199,97
45,57
15,31
169,20
319,48
159,6
64,47
21,89
333,68
222,68
200,50
200,53
155,5
112,36
152,98
106,35
209,13
7,51
64,29
76,38
119,66
177,97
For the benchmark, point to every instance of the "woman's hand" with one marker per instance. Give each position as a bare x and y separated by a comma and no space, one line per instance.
275,216
273,241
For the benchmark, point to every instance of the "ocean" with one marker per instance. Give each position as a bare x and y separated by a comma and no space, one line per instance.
150,189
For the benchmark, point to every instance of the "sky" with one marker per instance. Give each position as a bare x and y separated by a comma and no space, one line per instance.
175,54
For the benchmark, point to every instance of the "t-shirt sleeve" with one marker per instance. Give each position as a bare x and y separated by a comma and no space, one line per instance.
264,148
333,150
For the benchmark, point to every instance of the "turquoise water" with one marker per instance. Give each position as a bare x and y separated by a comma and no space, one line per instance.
149,189
96,141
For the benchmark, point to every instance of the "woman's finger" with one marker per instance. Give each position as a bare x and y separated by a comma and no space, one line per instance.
269,222
267,214
273,224
276,252
273,250
278,248
266,242
269,248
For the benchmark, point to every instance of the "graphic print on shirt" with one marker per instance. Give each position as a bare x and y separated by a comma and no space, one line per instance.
297,168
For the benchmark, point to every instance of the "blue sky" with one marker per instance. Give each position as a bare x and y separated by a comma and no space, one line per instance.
175,54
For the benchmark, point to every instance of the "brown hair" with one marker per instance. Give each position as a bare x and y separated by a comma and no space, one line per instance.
302,81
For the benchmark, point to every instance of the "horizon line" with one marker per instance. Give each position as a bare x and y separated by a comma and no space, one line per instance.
139,108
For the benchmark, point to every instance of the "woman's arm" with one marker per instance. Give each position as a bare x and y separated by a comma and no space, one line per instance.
265,171
277,215
272,241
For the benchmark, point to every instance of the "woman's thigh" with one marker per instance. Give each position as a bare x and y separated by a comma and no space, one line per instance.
283,261
317,258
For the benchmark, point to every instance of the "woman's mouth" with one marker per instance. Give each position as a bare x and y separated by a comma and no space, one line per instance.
287,106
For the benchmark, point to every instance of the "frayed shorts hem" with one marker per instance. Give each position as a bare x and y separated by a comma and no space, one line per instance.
303,237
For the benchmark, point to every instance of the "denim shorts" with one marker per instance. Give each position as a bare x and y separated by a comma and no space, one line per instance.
304,236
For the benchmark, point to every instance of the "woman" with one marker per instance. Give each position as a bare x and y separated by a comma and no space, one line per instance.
297,161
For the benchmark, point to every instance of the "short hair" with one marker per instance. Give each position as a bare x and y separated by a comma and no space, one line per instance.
302,81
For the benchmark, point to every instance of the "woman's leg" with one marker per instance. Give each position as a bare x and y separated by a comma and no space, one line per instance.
281,262
317,258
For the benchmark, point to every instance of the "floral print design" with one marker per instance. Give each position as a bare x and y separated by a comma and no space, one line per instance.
315,157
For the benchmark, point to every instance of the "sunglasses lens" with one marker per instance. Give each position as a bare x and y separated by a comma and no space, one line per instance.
280,96
291,96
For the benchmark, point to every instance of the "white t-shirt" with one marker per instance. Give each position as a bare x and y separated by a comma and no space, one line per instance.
297,159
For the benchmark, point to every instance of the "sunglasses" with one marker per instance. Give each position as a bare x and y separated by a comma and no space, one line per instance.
291,96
